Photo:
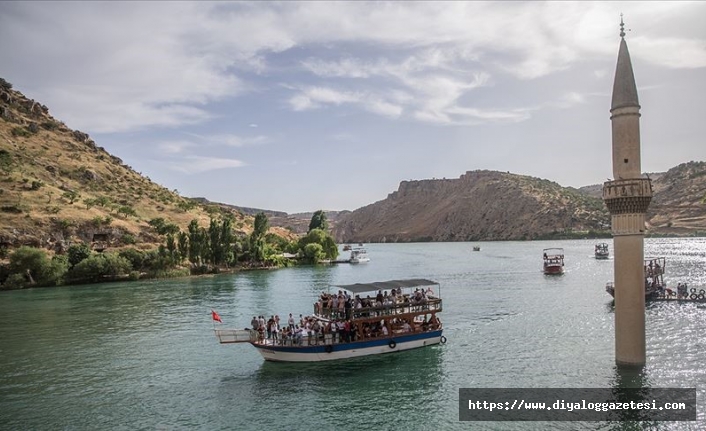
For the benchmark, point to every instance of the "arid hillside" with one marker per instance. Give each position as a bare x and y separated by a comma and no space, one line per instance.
489,205
57,185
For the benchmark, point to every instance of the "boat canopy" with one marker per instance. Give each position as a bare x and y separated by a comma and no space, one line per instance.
385,285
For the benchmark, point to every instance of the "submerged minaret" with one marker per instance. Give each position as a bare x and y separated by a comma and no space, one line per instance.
627,198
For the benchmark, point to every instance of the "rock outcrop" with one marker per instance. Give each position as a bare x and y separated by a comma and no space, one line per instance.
488,205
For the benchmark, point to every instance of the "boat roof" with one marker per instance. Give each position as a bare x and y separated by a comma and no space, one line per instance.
385,285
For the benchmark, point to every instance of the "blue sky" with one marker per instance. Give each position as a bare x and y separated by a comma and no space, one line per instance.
299,106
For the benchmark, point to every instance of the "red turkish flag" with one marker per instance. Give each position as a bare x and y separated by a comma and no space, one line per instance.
216,317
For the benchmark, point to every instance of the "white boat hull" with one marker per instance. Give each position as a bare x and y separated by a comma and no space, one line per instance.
330,352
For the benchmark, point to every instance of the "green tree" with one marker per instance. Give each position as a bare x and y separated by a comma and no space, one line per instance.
172,248
196,243
318,221
102,201
71,196
257,237
100,266
183,244
226,240
326,241
134,256
77,253
214,235
313,252
127,210
36,267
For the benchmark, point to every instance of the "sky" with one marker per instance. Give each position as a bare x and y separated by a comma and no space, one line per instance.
300,106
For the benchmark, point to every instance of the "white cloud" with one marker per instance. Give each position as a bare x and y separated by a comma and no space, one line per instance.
318,97
122,66
199,164
674,53
174,147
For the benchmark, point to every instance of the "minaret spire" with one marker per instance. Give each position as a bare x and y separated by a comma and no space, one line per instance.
627,198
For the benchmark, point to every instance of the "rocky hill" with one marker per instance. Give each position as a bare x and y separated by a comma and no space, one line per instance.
679,203
57,185
488,205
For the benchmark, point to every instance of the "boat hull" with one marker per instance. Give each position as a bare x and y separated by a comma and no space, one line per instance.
553,270
331,352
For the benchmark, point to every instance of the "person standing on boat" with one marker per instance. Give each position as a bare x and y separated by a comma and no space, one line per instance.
270,321
290,322
261,328
255,323
274,329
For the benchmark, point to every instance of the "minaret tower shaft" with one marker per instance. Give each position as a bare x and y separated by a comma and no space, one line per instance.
627,197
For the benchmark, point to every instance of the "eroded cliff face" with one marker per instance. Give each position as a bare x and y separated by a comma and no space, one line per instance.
480,205
678,206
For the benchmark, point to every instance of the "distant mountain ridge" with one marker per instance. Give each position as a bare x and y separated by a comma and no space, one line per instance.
491,205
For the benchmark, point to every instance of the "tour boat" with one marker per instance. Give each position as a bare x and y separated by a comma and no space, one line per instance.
347,247
553,261
601,251
359,255
476,248
407,319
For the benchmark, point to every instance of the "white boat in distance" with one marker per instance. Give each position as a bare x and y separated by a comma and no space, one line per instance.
402,318
359,255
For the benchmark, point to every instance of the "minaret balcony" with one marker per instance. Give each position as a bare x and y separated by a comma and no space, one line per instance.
631,196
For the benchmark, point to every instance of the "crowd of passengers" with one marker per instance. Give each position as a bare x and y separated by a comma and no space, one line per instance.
317,331
342,305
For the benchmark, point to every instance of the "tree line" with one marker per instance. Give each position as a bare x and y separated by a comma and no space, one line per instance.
197,250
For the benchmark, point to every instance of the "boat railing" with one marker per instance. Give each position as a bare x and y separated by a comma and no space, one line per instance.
321,338
423,306
228,336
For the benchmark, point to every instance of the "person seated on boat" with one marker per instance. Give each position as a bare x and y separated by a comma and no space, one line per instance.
429,292
379,297
384,330
434,322
387,303
406,327
367,330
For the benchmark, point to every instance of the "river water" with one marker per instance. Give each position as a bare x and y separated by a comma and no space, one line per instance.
142,355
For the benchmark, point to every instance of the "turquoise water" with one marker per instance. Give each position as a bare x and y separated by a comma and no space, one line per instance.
142,355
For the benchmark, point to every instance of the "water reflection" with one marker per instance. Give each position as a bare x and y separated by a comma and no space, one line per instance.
630,384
